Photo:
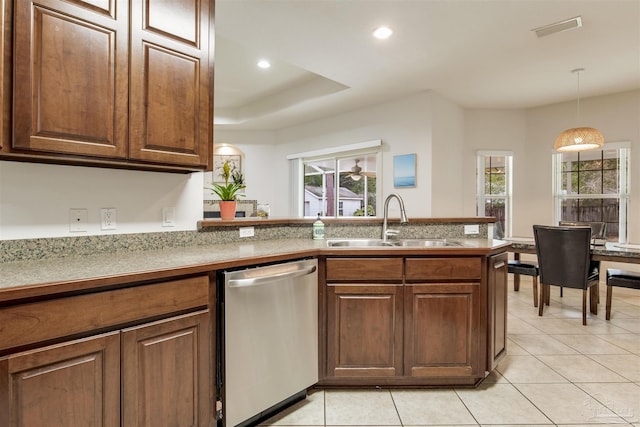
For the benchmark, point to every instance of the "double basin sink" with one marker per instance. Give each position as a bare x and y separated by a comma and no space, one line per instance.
399,243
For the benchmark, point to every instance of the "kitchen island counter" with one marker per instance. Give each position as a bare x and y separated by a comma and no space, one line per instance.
29,279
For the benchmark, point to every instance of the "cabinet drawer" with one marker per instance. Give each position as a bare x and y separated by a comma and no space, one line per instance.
26,324
443,268
369,269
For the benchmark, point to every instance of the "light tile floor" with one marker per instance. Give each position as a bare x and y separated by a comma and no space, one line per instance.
557,372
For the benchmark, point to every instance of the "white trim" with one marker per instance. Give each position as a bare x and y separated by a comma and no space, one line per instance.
616,145
623,195
336,150
494,153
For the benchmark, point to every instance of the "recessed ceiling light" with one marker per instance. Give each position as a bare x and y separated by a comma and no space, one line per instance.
382,33
264,64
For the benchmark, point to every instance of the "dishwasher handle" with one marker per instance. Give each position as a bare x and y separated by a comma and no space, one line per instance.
268,278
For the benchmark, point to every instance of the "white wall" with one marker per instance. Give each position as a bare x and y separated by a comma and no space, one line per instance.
403,125
258,164
447,156
617,116
35,199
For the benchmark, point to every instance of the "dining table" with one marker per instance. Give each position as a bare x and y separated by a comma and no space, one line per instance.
610,251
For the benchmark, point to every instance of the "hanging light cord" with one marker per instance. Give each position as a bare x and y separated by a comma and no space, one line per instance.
577,71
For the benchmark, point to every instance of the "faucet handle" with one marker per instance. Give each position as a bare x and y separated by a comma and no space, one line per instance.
392,232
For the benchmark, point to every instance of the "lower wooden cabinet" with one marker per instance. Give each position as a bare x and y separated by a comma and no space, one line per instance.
497,309
364,330
157,374
74,384
166,378
417,321
441,330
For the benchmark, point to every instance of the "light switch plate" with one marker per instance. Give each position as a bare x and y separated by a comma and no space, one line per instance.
169,217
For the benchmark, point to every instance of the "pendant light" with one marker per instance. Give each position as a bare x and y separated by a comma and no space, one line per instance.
580,138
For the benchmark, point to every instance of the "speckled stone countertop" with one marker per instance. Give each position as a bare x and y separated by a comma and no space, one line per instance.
71,273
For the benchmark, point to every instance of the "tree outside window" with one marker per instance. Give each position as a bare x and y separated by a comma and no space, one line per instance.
591,186
494,188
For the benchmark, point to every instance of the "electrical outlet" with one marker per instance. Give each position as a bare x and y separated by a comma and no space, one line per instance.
472,229
108,218
246,232
78,219
169,217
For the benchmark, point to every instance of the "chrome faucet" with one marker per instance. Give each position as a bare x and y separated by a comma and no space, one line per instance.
403,216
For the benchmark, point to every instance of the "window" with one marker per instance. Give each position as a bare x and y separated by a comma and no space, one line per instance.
494,187
592,186
341,186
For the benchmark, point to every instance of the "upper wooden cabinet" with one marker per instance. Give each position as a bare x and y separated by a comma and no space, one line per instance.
170,81
70,78
128,82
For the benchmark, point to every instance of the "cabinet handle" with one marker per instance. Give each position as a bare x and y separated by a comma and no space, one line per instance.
498,265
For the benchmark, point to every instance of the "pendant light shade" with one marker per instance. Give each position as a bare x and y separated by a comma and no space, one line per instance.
580,138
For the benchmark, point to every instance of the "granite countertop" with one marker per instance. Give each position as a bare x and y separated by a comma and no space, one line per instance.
22,279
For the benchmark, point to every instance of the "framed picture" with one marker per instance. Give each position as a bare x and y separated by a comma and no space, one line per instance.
235,163
404,171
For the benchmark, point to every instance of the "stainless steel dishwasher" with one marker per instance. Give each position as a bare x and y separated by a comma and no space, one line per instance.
269,339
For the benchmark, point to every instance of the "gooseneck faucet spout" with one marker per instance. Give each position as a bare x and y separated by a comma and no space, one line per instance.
403,216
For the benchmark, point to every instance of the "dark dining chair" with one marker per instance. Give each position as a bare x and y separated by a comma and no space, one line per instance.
517,268
598,229
623,279
564,259
598,233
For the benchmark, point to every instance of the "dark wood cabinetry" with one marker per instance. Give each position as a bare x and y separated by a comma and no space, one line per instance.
166,380
497,309
442,317
156,373
171,82
73,384
70,77
364,331
441,330
364,317
412,320
122,83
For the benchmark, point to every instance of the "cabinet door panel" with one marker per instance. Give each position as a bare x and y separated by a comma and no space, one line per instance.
497,309
439,269
166,374
168,20
441,321
364,332
74,384
374,269
70,80
171,82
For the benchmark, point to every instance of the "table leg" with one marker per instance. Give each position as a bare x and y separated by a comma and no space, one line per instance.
516,276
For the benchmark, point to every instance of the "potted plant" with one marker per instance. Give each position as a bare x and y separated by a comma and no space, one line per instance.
229,192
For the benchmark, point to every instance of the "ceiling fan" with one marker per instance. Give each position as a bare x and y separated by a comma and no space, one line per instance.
356,172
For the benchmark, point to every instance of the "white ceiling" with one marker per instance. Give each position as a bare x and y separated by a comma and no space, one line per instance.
477,53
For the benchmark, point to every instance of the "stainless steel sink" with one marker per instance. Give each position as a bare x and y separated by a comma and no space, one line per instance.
426,243
358,242
413,243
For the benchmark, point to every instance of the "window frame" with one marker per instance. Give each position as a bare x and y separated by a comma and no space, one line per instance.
623,195
297,164
481,197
